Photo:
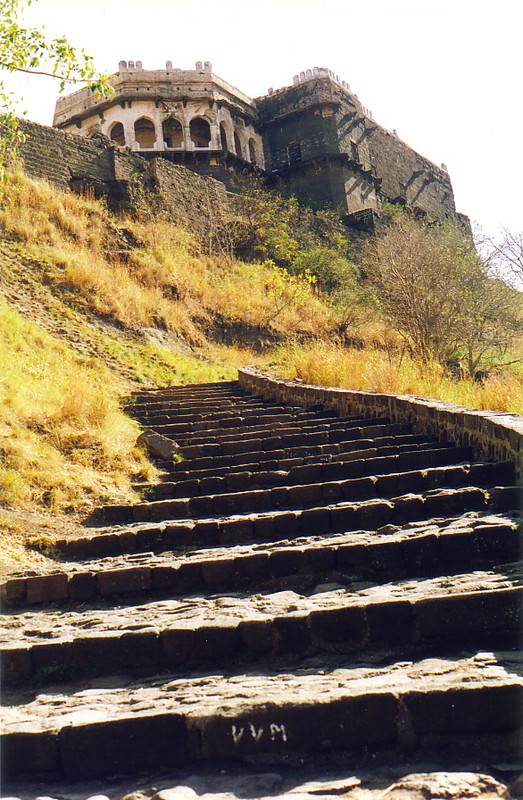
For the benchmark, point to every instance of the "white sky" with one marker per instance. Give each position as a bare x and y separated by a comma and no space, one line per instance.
447,74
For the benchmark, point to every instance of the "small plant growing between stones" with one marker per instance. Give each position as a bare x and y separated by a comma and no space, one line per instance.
44,545
54,672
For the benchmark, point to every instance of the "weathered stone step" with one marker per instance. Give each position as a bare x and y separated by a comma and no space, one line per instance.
372,478
276,442
416,550
297,449
152,401
473,609
231,427
185,424
188,388
422,709
276,525
173,408
212,435
236,477
298,455
481,474
184,411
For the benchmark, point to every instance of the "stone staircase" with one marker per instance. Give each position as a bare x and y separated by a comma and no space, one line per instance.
297,584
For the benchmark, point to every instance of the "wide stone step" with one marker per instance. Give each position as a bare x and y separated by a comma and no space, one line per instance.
190,388
276,525
173,409
415,550
480,608
223,434
237,477
423,709
232,427
353,440
375,478
263,460
276,442
155,401
481,474
195,422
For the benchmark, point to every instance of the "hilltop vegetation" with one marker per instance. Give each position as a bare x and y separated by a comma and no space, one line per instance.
93,304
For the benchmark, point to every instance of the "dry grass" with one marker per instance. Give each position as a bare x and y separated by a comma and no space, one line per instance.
387,373
164,281
64,442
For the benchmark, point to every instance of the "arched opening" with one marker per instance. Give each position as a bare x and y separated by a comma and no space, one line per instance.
172,132
117,133
223,137
200,132
252,151
238,145
144,133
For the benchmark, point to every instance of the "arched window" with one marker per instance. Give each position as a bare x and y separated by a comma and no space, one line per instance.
117,133
200,132
252,151
223,137
144,133
238,145
172,133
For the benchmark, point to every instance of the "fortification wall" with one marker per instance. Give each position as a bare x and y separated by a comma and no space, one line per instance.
57,157
319,119
493,436
407,176
192,200
68,161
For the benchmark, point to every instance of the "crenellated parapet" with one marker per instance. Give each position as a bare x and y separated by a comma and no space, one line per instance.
327,144
314,136
170,111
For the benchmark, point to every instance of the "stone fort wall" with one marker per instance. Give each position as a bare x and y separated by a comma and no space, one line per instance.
68,161
329,147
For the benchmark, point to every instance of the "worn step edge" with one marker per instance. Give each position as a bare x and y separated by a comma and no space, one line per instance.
374,557
189,436
448,615
304,451
369,515
308,455
482,474
418,712
254,415
292,440
436,470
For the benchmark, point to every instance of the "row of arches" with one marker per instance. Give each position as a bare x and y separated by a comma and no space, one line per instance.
173,136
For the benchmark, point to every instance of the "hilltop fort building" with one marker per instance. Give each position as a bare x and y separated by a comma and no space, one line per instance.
315,136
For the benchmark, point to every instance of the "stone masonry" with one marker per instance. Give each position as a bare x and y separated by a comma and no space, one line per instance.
96,164
315,136
319,576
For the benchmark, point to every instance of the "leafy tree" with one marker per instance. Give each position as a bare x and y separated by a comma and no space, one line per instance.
433,287
331,267
28,50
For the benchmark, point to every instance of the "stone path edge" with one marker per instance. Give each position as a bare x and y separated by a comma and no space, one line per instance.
494,436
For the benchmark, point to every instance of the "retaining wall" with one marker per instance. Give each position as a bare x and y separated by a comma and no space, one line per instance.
69,161
497,437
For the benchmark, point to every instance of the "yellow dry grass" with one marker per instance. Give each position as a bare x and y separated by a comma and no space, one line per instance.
386,372
164,281
64,442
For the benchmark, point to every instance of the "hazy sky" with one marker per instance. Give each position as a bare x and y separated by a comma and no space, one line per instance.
446,74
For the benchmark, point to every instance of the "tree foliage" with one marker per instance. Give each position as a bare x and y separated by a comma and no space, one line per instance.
28,50
295,237
432,285
506,255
